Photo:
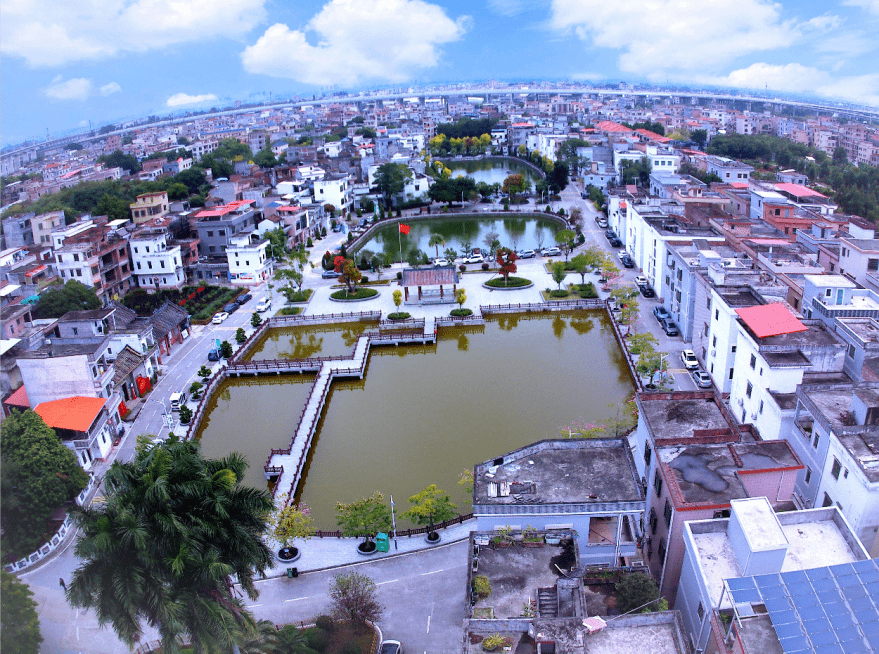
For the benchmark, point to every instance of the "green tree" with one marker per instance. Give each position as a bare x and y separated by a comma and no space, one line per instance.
291,270
255,320
355,598
178,191
364,517
637,343
635,590
565,239
581,264
226,349
636,172
240,336
840,155
430,506
265,158
436,241
513,184
398,298
700,137
277,239
558,273
118,159
390,180
232,149
19,623
163,549
73,296
567,153
193,178
39,474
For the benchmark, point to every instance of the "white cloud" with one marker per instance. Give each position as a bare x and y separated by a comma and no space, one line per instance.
588,76
509,7
78,88
661,36
55,33
357,40
181,99
110,89
870,5
798,78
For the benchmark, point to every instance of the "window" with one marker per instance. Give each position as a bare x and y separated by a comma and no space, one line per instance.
708,303
647,453
147,248
733,349
138,265
653,521
163,263
706,329
828,292
837,466
748,389
827,500
210,233
714,342
666,513
753,361
817,438
701,611
657,483
808,474
135,250
661,549
75,331
760,411
731,372
717,314
150,265
221,232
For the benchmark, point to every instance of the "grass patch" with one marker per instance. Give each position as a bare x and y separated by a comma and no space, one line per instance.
402,315
550,296
461,312
586,291
299,296
201,302
359,294
512,282
289,311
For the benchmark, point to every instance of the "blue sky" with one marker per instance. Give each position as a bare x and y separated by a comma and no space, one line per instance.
65,63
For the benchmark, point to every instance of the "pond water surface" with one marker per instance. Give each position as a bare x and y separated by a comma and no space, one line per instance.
492,171
423,414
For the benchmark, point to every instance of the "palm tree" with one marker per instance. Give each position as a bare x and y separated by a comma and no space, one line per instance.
437,241
163,549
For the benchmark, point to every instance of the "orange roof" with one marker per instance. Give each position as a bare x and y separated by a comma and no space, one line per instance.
610,126
653,136
73,413
739,184
770,320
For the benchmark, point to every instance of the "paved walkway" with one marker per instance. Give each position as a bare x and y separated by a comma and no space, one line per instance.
323,553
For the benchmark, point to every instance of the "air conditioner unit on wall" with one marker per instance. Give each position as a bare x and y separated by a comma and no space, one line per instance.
741,402
754,416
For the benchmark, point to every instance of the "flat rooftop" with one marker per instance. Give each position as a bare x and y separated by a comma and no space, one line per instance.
814,335
811,544
681,417
559,472
866,329
646,633
864,448
709,474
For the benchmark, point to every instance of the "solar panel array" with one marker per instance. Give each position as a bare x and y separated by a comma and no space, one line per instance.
831,610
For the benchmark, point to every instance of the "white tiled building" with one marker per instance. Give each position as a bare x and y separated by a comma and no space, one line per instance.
154,264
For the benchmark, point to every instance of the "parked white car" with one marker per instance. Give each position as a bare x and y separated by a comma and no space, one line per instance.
264,304
219,317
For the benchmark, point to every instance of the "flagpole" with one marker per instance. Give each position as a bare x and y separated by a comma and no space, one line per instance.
400,240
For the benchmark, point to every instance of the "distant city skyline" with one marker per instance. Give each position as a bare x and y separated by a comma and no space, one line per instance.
65,65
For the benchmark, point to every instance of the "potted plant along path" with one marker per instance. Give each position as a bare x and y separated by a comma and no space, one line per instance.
364,518
289,522
461,298
430,506
349,275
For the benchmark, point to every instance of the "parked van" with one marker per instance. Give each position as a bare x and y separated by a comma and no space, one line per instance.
177,401
264,304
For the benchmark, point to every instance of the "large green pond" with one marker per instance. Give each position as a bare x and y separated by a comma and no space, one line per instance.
422,414
491,171
529,232
310,341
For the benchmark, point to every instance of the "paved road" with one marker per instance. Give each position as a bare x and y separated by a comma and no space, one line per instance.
423,595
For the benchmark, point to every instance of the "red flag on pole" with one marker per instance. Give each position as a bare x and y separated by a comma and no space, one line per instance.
404,229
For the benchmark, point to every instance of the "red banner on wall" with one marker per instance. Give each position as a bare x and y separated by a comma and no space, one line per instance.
143,385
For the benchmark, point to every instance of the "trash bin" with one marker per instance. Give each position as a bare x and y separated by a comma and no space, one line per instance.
382,542
292,572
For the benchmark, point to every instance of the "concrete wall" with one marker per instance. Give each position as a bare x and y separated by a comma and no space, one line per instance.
56,378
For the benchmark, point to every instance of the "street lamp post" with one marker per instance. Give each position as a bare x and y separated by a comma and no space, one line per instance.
394,522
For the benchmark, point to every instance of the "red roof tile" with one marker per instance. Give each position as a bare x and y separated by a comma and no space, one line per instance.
19,398
770,320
